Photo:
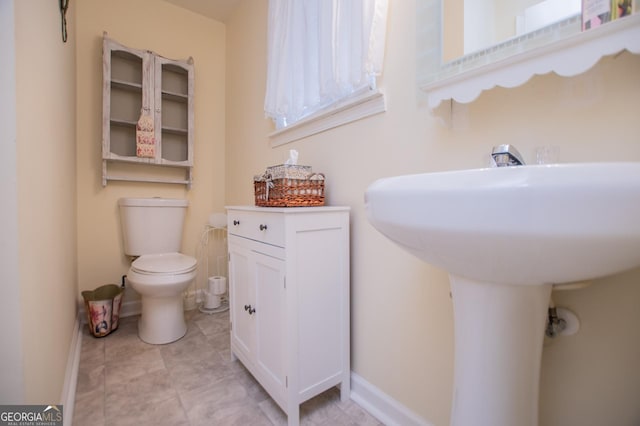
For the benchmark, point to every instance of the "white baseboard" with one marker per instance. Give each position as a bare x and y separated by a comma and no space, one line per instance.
68,397
131,308
134,307
128,309
380,405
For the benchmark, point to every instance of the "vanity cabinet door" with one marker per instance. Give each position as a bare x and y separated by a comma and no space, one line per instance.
241,288
258,312
270,322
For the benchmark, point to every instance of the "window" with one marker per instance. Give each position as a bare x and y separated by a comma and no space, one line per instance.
323,59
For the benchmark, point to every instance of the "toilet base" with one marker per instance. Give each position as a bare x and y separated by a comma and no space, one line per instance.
162,320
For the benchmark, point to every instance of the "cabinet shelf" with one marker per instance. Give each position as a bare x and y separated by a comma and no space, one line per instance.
176,97
175,131
166,129
134,169
123,123
126,85
129,159
172,163
143,160
140,80
148,179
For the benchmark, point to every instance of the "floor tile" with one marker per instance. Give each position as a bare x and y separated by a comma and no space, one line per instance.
136,365
194,375
167,412
136,394
193,381
89,408
90,378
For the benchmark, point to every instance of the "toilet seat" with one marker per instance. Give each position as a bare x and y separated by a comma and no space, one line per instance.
164,264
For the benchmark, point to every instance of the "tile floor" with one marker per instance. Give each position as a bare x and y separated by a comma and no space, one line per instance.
124,381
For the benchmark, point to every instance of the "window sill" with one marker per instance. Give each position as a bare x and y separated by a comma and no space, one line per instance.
348,111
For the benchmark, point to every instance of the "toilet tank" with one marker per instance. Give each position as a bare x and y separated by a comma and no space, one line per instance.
152,225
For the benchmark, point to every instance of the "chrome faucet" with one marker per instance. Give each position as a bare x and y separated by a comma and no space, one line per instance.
506,156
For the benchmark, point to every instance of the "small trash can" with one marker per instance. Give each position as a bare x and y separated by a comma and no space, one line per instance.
103,308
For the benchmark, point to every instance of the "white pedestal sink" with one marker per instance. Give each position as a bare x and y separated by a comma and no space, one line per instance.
505,235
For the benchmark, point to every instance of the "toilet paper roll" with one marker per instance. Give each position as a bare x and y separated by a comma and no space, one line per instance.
213,301
217,285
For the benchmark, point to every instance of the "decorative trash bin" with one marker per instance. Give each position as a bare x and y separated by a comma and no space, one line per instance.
103,308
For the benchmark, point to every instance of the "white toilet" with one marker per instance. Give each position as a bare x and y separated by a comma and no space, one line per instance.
152,230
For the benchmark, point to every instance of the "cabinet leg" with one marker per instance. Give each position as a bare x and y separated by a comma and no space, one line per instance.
345,390
293,415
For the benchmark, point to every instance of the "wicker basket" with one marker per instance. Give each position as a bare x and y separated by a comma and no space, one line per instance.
289,192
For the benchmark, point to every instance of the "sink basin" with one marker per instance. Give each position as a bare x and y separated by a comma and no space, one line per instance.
518,225
505,235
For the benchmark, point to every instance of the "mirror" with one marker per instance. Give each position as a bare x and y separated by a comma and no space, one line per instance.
511,52
474,25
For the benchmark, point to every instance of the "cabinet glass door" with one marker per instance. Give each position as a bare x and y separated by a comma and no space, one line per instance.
173,95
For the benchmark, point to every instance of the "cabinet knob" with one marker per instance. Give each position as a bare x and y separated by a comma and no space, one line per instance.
263,227
236,222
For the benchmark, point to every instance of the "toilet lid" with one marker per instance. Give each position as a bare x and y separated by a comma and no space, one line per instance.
164,263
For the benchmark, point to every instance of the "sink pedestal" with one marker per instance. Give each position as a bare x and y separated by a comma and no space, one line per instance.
499,333
520,227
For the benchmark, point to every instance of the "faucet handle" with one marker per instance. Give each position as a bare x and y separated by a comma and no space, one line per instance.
506,155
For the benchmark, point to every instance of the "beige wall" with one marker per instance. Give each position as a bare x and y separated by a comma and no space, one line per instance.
401,312
46,176
11,366
452,29
175,33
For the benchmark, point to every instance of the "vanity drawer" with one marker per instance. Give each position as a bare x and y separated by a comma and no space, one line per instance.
264,227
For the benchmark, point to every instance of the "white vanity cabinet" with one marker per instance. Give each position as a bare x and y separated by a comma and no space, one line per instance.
289,299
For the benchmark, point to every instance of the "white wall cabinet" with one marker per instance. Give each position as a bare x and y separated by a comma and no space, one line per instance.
289,300
137,81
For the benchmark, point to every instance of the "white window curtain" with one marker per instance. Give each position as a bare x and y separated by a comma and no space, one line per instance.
321,52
